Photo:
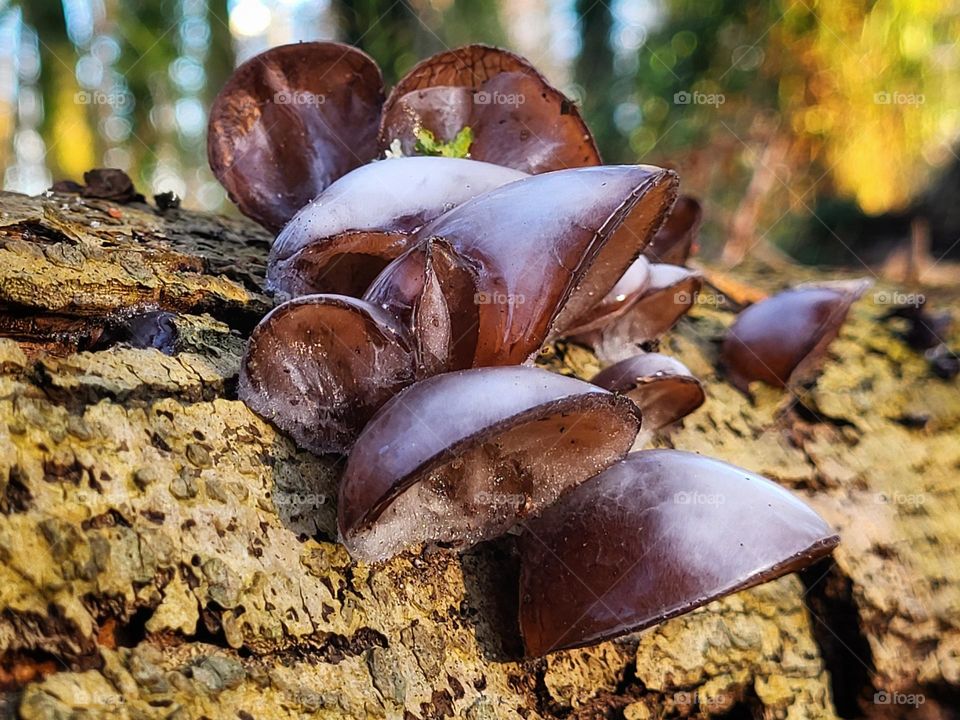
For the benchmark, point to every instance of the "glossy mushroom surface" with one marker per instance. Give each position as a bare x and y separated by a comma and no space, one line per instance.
464,456
319,366
289,122
787,333
622,296
540,249
342,239
517,118
675,239
654,536
662,387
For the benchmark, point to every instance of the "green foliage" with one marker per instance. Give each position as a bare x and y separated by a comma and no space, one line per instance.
459,147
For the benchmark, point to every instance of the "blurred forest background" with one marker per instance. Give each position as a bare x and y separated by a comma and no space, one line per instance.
829,129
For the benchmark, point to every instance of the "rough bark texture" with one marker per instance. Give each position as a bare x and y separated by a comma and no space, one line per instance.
167,553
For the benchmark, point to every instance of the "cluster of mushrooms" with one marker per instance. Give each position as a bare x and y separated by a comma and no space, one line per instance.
418,288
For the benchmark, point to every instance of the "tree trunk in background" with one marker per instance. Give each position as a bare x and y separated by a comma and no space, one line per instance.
165,552
593,72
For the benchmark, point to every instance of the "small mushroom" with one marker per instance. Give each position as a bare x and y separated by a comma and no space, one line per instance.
517,118
622,296
289,122
675,239
785,335
341,240
318,367
662,387
668,295
540,250
464,456
657,535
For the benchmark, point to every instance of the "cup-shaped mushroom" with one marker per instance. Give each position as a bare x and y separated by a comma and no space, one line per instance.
669,294
342,239
542,249
785,336
628,289
659,534
318,367
289,122
464,456
674,240
662,387
518,119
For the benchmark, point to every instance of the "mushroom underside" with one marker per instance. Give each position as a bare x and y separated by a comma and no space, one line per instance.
479,491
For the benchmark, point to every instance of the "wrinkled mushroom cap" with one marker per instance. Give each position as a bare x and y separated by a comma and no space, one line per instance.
540,249
289,122
463,456
319,366
674,240
656,535
786,334
344,237
662,387
518,119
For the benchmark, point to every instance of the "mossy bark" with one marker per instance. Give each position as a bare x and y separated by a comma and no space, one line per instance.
167,553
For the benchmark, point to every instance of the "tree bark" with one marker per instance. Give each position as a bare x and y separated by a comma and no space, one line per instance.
167,553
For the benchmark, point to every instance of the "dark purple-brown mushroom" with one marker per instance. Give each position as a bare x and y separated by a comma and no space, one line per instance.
667,296
464,456
675,239
319,366
785,335
289,122
341,240
662,387
659,534
538,251
517,118
622,296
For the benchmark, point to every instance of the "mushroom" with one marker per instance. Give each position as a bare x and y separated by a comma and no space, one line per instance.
340,241
656,535
622,296
675,239
785,335
517,118
319,366
289,122
662,387
667,296
538,251
464,456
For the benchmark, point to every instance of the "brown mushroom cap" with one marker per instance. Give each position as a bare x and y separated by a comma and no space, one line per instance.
659,534
622,296
785,334
463,456
344,237
674,240
662,387
539,246
319,366
518,119
289,122
669,294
